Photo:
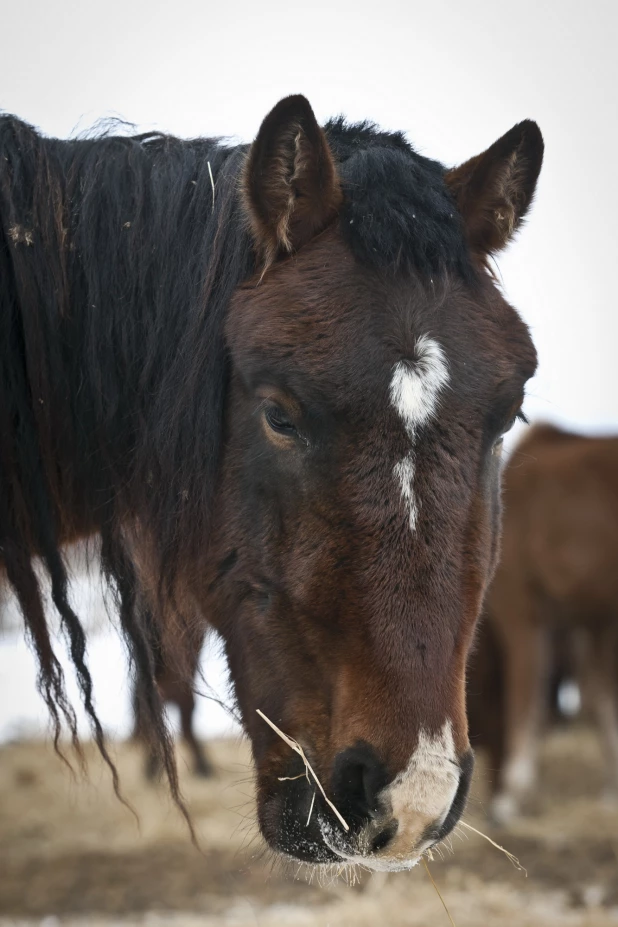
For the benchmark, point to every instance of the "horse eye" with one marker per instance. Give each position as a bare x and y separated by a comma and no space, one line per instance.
278,421
518,417
507,427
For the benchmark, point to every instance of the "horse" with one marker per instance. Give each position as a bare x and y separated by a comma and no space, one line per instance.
274,379
553,603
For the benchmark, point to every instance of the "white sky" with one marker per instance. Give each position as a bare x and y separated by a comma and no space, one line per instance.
454,74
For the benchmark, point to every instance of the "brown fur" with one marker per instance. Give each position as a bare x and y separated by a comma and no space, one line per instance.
175,688
492,191
391,619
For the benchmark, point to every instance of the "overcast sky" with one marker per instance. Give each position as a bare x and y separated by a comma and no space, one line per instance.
454,74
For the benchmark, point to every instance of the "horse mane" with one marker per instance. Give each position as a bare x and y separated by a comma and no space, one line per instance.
118,258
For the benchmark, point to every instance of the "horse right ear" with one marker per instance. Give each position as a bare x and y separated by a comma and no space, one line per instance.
290,183
494,190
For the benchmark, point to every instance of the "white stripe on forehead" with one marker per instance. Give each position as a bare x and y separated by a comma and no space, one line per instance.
414,390
404,474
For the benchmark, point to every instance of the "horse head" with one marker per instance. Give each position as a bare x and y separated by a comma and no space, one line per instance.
374,368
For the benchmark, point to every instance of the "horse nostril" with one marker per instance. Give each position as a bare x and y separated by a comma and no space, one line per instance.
381,841
358,778
369,789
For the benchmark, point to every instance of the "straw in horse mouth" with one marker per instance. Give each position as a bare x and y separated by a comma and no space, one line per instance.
296,747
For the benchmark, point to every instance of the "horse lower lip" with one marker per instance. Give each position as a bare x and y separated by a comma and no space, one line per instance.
373,861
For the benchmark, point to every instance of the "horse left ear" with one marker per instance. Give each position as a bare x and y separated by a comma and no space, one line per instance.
290,182
494,190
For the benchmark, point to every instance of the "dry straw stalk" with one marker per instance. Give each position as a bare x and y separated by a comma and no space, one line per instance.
296,747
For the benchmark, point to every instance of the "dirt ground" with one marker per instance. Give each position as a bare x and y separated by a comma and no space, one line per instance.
71,854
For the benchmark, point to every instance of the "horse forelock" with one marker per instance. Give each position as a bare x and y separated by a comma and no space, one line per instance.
397,213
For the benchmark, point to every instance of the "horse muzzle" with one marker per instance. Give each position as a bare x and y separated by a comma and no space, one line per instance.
390,823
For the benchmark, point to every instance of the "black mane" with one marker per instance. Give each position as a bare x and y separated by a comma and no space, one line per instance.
118,258
117,263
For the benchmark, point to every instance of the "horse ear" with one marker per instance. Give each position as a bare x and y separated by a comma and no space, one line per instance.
290,183
494,190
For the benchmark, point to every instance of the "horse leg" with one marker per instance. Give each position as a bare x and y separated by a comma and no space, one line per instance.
600,689
525,680
179,690
152,766
186,702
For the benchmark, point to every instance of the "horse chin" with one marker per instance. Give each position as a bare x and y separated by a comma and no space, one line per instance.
352,854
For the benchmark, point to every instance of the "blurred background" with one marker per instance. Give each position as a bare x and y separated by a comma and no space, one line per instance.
454,76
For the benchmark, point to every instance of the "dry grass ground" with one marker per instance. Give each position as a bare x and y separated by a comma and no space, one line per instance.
71,854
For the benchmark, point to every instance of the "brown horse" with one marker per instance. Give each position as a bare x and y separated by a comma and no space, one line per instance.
554,598
275,381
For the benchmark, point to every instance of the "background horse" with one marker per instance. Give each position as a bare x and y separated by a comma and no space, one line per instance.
486,693
552,608
175,688
274,380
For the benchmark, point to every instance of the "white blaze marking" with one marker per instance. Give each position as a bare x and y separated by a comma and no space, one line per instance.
426,787
415,388
404,473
